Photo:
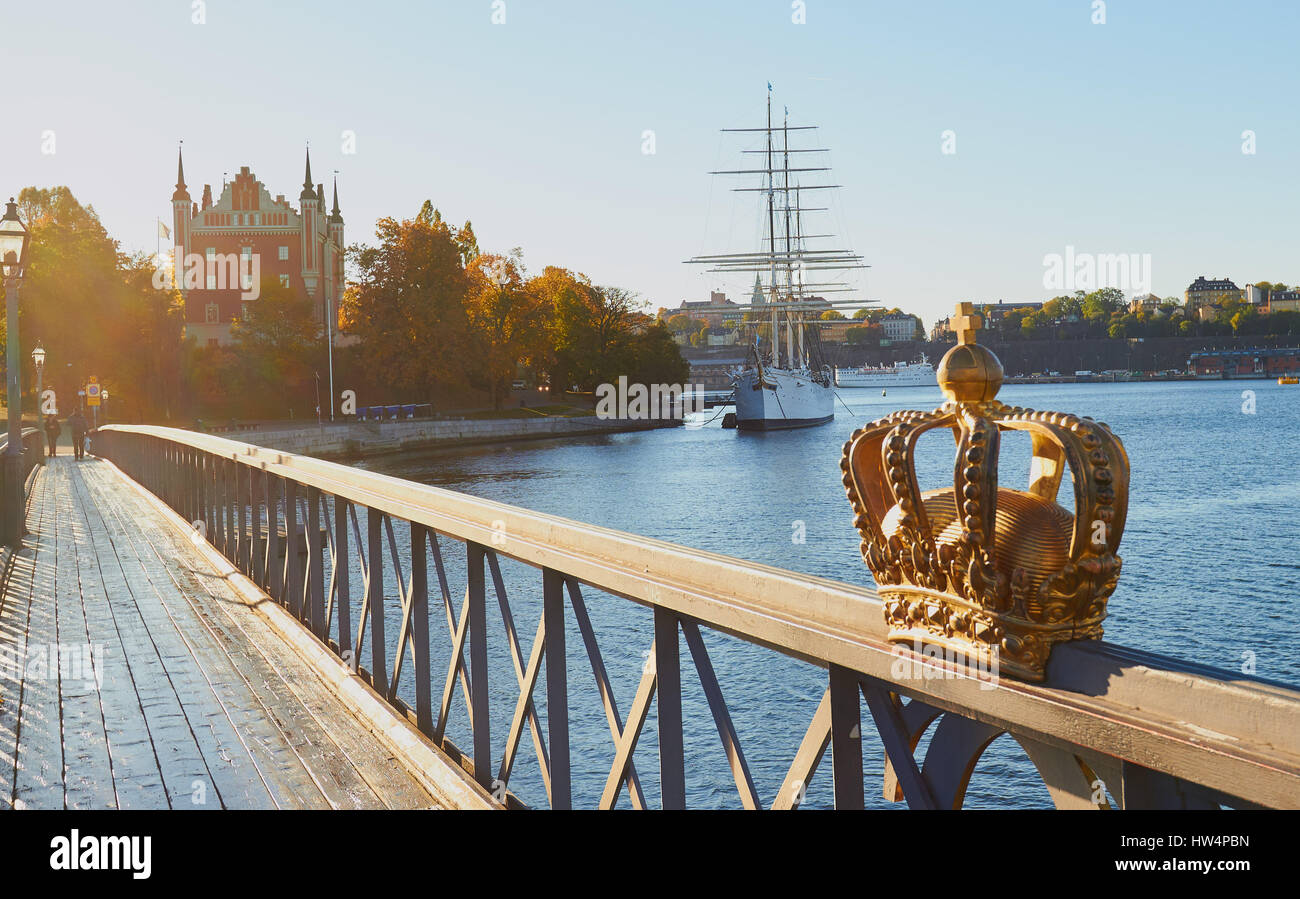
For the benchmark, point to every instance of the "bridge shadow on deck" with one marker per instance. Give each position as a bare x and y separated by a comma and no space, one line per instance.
132,675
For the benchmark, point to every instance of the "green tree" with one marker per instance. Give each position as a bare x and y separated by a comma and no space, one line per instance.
655,358
277,352
866,334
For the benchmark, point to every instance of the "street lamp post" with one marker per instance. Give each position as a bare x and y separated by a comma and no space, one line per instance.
38,358
14,238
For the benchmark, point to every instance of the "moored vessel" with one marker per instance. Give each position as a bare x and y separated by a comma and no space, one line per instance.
785,382
900,374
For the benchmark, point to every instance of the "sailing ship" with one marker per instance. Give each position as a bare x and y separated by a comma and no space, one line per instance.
788,386
900,374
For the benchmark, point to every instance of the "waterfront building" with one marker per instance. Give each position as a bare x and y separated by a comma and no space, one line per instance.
1253,362
713,367
1211,292
900,326
837,330
300,248
1282,301
716,312
1148,303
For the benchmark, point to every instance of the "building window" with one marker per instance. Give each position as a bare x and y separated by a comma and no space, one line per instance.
213,313
284,280
284,254
212,341
212,282
212,253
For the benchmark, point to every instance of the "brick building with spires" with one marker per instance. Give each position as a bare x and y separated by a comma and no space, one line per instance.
300,248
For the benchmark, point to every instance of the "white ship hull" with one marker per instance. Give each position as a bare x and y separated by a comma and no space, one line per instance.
779,399
915,375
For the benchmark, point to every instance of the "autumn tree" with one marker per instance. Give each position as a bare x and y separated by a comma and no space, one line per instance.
506,319
96,311
150,327
408,304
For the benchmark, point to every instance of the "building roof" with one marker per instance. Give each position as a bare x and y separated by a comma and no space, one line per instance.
1202,283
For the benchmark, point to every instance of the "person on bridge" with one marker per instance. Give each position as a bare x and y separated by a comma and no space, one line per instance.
78,424
52,430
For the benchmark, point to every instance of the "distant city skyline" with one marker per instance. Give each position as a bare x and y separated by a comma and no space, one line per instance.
1126,137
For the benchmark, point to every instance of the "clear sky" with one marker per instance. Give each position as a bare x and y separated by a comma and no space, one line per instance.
1123,137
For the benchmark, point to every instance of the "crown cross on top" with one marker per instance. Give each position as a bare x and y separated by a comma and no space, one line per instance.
967,322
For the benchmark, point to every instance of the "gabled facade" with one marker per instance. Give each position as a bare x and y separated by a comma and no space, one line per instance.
298,248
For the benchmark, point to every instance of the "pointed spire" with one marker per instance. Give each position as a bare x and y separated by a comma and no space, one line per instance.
307,192
181,193
335,217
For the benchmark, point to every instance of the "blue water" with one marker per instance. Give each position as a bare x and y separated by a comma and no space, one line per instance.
1211,570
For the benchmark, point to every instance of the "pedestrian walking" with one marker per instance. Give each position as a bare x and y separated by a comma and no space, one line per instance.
78,425
52,429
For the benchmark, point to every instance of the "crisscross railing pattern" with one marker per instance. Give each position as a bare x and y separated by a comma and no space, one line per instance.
348,553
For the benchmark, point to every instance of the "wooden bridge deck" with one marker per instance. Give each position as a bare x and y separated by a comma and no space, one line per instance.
202,704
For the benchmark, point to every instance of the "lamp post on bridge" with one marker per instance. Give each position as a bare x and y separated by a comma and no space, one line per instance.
38,359
14,238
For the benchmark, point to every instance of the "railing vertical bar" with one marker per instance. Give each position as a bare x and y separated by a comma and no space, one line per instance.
343,568
557,689
274,572
846,739
292,596
256,496
233,508
244,498
478,663
418,598
315,566
672,760
375,600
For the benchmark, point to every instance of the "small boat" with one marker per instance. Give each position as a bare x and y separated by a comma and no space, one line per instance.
1288,379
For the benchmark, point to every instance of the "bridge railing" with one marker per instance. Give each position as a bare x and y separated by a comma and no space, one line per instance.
1111,727
33,448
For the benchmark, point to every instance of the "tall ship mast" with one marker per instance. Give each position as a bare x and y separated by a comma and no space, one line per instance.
785,386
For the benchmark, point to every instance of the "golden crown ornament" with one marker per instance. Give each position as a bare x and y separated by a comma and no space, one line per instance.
996,575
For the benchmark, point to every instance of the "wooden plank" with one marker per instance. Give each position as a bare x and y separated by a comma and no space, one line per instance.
38,774
342,757
342,747
15,609
198,749
88,770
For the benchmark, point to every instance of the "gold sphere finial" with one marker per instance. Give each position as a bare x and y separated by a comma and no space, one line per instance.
969,373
